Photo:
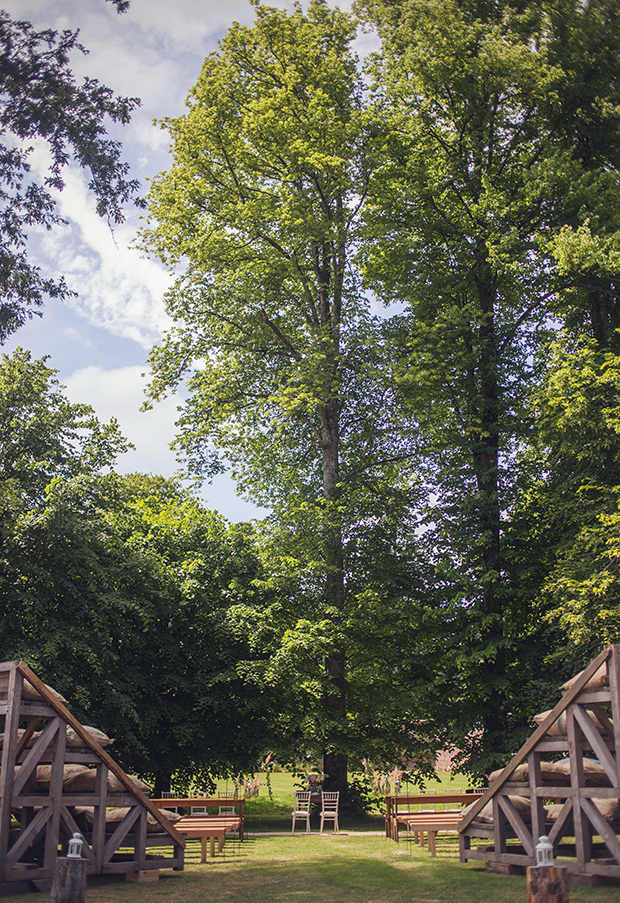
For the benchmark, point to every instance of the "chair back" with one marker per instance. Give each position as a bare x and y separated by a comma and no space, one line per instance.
302,800
330,801
226,810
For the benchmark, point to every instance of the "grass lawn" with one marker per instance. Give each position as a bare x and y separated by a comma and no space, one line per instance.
345,868
360,865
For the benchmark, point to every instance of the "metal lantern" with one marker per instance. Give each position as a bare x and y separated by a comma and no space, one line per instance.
75,847
544,851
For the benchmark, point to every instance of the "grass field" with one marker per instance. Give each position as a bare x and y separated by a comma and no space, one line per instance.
346,868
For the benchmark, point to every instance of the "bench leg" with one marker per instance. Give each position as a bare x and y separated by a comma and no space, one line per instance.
432,836
203,849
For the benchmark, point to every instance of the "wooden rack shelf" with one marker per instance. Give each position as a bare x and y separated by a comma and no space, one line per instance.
576,803
40,810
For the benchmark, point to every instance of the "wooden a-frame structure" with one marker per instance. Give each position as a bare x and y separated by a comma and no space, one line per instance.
37,821
584,841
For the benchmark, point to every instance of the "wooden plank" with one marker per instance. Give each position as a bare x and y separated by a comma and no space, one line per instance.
499,825
503,868
27,836
98,835
537,809
517,824
575,752
27,736
553,745
530,744
563,818
596,696
119,867
553,791
391,801
55,793
119,835
142,877
510,858
595,741
141,830
9,749
614,688
38,799
32,758
602,828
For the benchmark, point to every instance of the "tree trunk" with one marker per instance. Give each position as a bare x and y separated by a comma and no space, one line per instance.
335,700
547,884
163,784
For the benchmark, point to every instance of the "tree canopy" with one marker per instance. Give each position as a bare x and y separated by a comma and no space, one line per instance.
120,591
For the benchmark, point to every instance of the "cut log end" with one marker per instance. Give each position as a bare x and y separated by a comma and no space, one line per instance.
547,884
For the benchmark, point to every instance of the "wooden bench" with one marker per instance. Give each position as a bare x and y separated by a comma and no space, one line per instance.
209,803
206,828
421,824
394,817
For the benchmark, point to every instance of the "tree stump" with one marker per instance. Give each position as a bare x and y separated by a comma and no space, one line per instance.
547,884
69,884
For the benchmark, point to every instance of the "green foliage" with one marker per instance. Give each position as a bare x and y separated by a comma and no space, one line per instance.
573,494
43,435
491,212
262,208
117,590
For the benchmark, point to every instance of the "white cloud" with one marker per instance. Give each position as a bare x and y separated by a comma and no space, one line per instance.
118,289
119,393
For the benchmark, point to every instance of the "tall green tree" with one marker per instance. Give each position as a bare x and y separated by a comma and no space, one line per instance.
261,208
483,170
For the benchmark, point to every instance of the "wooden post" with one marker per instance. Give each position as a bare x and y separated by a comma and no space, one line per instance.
547,884
69,883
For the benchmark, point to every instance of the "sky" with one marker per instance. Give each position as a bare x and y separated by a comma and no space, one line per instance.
99,342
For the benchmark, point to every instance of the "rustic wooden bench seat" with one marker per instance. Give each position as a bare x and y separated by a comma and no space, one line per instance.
395,806
210,828
430,823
